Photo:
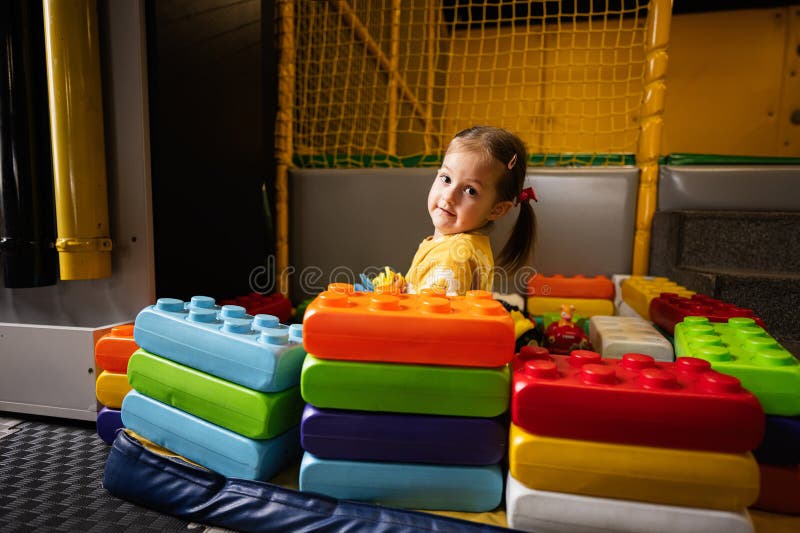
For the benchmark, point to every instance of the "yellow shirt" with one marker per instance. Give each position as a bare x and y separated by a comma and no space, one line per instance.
458,263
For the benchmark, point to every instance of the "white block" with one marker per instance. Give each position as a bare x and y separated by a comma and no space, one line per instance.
614,336
554,512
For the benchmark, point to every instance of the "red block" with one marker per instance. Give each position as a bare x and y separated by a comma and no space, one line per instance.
634,400
780,489
255,304
669,309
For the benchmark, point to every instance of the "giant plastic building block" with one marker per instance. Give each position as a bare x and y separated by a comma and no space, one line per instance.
711,480
539,305
781,444
207,444
614,336
635,400
638,291
539,510
780,489
743,349
252,413
275,304
108,422
558,286
150,476
412,486
403,438
473,330
255,352
111,388
399,388
668,309
112,350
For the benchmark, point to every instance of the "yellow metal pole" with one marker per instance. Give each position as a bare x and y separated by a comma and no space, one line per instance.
651,122
76,125
284,144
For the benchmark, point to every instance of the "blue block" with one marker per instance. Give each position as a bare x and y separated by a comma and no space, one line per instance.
255,352
472,489
209,445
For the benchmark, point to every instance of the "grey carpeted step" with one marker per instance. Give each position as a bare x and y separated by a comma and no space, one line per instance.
765,241
774,297
751,259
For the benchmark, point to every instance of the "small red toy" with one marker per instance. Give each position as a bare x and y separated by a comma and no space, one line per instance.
565,335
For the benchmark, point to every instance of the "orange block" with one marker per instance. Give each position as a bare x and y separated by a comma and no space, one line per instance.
558,286
113,349
472,330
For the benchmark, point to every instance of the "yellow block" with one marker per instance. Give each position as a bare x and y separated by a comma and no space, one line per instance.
658,475
586,307
638,291
111,388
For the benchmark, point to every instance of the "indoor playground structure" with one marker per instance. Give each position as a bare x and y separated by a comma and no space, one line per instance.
640,373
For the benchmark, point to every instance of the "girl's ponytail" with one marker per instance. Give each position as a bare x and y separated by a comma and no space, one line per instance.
521,242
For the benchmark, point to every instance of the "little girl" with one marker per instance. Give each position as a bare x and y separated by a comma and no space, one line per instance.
480,181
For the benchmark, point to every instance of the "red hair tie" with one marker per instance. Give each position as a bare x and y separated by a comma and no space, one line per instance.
526,195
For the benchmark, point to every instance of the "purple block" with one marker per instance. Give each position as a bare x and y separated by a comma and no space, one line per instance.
781,444
402,438
108,422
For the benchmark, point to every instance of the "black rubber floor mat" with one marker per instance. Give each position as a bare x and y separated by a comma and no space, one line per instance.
51,480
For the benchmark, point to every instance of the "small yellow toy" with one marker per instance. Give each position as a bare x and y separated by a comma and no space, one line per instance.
389,282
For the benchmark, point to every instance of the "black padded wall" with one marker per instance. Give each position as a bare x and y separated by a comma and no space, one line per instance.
208,144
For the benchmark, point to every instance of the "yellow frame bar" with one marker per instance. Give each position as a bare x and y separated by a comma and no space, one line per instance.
284,144
651,120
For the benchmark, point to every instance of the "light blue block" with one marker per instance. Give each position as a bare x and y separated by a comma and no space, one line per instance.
472,489
206,444
255,352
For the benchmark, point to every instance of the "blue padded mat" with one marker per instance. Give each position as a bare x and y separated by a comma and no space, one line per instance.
171,485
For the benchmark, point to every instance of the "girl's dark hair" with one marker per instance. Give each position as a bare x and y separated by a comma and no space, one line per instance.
503,146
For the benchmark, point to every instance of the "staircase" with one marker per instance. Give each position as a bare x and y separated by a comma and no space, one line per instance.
748,258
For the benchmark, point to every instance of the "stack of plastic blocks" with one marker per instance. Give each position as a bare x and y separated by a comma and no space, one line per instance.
217,386
744,349
111,354
405,397
589,296
639,291
275,304
614,336
629,445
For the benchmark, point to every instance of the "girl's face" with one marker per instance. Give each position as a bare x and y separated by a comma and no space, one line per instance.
463,196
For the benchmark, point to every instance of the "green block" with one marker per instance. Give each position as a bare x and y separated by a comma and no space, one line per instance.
251,413
400,388
744,350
